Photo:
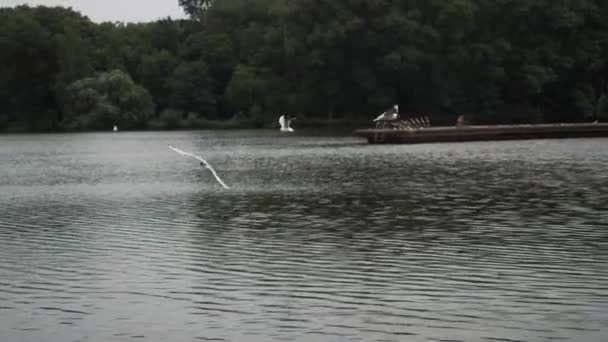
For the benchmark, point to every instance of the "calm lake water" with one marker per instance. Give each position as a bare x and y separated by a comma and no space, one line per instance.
114,237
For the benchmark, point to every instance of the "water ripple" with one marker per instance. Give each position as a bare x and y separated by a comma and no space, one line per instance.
323,239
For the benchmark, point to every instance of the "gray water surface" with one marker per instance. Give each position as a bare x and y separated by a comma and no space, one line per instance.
114,237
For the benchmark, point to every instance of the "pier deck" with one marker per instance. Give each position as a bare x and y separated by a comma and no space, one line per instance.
481,133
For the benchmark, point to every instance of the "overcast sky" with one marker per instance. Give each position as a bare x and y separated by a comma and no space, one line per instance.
112,10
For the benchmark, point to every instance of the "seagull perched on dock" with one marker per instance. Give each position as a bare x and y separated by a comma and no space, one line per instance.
285,124
389,115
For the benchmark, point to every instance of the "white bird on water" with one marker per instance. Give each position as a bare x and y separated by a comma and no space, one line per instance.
285,124
115,129
203,162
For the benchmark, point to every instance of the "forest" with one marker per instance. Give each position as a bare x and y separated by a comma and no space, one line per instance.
242,63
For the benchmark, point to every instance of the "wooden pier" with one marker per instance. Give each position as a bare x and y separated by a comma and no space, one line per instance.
481,133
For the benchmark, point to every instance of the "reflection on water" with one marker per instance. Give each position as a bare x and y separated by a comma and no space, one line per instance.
113,237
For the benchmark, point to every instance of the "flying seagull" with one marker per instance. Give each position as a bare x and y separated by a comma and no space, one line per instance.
203,162
285,124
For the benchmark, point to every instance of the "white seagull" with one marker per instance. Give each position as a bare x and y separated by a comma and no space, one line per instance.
285,124
391,114
203,162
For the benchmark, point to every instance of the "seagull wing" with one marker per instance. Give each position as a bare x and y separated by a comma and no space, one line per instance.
207,165
379,117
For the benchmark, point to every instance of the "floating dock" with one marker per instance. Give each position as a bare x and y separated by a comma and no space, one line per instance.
481,133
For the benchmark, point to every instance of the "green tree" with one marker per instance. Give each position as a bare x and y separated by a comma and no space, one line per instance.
191,89
155,71
495,61
195,8
106,100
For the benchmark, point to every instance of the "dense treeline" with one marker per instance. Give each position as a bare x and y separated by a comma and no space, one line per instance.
244,61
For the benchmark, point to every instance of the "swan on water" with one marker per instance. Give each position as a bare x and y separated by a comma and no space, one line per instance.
203,163
285,124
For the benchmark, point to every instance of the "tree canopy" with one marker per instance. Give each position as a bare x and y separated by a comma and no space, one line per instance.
106,100
495,61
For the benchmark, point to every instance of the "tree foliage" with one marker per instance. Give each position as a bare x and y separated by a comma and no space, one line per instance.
494,61
106,100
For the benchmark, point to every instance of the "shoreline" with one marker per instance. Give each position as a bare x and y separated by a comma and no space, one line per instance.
209,125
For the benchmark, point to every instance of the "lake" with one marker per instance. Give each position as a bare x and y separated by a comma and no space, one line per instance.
114,237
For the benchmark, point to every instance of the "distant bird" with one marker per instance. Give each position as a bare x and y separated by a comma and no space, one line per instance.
115,129
285,124
595,122
203,163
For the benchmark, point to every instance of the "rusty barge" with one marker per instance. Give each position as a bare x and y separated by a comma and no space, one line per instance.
411,135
